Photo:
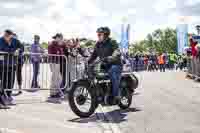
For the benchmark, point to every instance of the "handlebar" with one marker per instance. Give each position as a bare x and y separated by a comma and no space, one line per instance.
89,68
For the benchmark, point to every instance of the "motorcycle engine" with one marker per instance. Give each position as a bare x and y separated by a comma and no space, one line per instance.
124,84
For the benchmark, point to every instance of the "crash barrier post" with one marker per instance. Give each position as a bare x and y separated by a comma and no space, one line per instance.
41,71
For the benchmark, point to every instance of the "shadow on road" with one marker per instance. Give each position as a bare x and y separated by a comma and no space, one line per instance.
93,118
130,110
115,116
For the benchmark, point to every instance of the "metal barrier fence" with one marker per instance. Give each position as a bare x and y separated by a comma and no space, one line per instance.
193,67
40,71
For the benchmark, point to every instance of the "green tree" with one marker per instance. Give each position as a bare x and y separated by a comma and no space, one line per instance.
138,47
44,45
89,43
161,40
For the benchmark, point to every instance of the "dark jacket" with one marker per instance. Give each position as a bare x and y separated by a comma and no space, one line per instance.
55,49
21,53
107,50
9,58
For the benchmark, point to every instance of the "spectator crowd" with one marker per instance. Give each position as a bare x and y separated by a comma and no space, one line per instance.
61,58
158,62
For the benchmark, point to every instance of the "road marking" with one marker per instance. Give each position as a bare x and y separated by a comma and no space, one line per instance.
114,128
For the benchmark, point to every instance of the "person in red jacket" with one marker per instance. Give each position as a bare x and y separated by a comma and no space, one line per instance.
194,54
193,45
56,52
62,63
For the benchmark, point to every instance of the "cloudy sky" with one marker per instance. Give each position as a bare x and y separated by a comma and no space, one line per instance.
81,17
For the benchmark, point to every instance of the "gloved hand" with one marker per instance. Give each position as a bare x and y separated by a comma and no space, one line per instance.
107,59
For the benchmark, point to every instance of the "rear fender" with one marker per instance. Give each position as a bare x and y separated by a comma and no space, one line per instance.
131,80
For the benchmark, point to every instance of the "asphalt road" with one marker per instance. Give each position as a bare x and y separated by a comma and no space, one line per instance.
163,103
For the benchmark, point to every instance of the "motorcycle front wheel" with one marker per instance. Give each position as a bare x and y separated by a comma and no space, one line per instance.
82,100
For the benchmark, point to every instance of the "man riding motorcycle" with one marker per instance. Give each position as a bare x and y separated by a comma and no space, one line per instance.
110,54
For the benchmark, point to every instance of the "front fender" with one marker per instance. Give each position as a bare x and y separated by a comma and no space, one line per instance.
77,81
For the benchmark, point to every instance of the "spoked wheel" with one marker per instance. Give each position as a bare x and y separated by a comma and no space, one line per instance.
81,100
126,99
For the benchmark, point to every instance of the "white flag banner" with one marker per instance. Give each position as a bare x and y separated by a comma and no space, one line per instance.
182,37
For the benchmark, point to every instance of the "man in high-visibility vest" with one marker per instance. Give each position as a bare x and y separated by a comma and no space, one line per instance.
161,62
172,60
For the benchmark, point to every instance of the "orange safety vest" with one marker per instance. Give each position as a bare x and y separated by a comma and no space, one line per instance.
161,60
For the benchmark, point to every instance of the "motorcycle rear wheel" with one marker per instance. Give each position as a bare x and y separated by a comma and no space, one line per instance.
125,96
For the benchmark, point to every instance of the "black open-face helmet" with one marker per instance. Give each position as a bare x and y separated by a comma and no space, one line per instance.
104,30
100,30
107,31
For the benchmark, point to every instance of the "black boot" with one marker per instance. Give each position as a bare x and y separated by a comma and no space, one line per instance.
2,104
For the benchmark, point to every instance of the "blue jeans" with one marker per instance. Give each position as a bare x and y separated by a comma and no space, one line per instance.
115,76
36,68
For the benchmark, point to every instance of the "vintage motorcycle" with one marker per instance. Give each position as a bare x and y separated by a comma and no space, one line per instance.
95,88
